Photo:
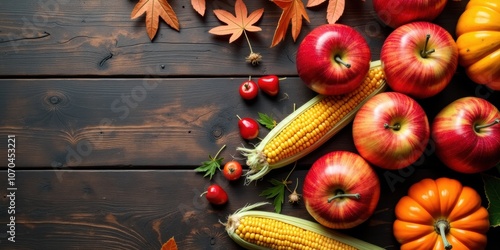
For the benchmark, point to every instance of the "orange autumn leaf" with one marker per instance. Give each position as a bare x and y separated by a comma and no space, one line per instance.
238,23
293,12
312,3
169,245
334,10
155,9
199,6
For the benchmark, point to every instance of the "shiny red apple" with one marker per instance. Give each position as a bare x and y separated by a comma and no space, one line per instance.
391,130
419,59
341,190
333,59
398,12
467,135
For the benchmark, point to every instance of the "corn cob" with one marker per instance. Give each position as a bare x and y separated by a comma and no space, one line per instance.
310,126
253,229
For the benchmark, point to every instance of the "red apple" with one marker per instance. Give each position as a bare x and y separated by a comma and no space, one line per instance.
249,128
467,135
333,59
398,12
391,130
248,89
341,190
419,59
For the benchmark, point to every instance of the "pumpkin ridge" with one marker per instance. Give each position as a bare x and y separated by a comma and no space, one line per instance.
453,217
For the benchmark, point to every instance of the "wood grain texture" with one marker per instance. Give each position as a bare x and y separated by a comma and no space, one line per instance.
127,122
98,38
110,125
155,122
142,209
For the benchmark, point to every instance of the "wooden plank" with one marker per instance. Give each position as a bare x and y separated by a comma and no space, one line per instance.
154,122
131,122
75,38
110,125
141,209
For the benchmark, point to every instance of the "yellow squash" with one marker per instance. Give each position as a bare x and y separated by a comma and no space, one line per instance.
478,32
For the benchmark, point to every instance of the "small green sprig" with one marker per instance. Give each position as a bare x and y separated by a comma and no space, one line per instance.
266,120
212,165
277,191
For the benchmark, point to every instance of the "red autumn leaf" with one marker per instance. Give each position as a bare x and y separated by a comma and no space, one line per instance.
238,23
334,10
155,9
169,245
199,6
293,12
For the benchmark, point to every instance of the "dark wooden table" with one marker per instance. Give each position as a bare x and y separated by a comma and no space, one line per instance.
110,125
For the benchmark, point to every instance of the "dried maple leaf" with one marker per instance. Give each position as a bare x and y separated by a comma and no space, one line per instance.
155,9
238,24
169,245
293,12
334,10
199,6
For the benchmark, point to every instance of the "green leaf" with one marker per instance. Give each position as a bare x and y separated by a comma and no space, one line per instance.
266,120
492,191
211,166
277,191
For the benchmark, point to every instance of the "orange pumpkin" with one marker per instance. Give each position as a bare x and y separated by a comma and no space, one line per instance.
440,214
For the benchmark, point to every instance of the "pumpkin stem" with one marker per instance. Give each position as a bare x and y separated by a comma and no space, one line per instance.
442,227
478,127
424,53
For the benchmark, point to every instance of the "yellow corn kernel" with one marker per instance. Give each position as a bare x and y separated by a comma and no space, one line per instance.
310,126
287,235
268,230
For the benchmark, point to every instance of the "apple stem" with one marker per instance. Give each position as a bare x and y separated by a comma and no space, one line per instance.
342,195
339,60
424,53
442,227
396,126
478,127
